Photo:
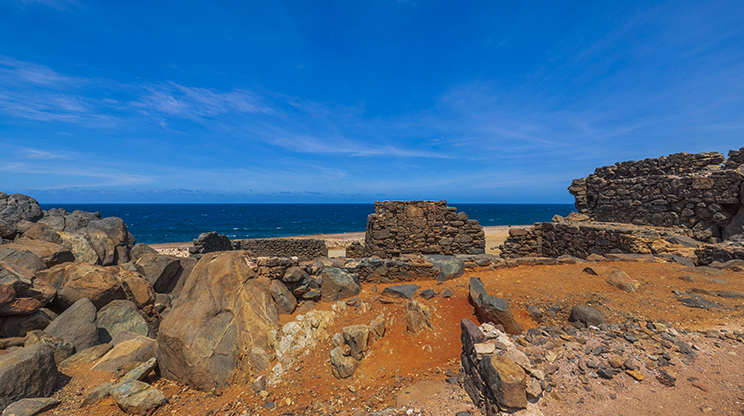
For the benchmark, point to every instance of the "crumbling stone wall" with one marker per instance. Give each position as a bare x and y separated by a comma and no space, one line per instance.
694,191
304,249
550,239
429,227
209,243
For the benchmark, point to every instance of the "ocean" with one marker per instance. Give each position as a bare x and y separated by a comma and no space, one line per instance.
167,223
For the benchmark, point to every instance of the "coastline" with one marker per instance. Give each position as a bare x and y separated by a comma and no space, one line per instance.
495,236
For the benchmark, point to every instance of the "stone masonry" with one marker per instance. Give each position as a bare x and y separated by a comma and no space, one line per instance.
304,249
426,227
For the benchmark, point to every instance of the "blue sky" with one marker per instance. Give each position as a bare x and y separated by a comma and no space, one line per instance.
354,101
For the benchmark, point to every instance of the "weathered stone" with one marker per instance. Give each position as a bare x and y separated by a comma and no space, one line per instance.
97,394
62,348
136,397
118,316
158,270
76,281
401,291
586,315
356,337
505,380
446,267
80,247
20,306
27,373
138,290
141,372
50,253
20,257
139,349
233,310
140,250
378,326
285,300
19,326
86,356
18,207
338,284
30,407
39,231
418,317
18,278
342,366
77,325
622,281
7,231
492,309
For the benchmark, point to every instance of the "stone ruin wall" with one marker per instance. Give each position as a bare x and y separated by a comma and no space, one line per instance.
303,249
426,227
694,191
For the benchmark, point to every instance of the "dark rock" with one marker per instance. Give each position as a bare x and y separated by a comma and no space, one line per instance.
446,267
62,348
586,315
428,294
140,250
41,232
30,407
118,316
505,380
285,300
158,270
7,231
50,253
295,274
342,366
20,306
338,284
20,257
401,291
27,373
77,325
233,310
86,356
356,337
447,293
19,326
18,207
491,308
97,394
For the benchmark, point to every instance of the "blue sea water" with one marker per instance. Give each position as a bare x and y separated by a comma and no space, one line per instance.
165,223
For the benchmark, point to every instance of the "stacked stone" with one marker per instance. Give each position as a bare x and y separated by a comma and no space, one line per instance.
428,227
304,249
210,243
689,190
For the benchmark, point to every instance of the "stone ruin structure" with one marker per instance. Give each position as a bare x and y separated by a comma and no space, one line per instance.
426,227
688,205
303,249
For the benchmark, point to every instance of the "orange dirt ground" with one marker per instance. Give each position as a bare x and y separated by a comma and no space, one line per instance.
399,360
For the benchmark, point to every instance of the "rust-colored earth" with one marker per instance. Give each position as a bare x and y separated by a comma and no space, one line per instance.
399,359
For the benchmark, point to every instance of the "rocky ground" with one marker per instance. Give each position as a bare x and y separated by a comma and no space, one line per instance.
655,356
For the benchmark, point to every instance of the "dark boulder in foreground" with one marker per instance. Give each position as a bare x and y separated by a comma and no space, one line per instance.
338,284
587,315
77,325
224,310
27,372
491,308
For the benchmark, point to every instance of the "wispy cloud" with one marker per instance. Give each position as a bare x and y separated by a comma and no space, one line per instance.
55,4
39,154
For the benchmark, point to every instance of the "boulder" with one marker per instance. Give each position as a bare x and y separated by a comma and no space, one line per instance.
139,350
136,397
50,253
491,308
586,315
27,373
77,325
86,356
418,317
17,207
21,257
140,250
400,291
140,372
118,316
342,366
15,277
622,281
30,407
505,381
110,239
39,290
234,311
177,283
447,267
338,284
378,326
357,337
20,306
76,281
19,326
62,348
42,232
97,394
158,270
80,247
285,300
138,290
7,231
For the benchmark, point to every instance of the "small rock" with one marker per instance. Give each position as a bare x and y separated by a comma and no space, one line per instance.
30,407
636,374
137,397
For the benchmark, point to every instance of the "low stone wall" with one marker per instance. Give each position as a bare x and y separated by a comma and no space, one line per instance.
427,227
304,249
581,239
689,190
209,243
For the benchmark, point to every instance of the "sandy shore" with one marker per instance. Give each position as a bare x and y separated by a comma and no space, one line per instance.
495,236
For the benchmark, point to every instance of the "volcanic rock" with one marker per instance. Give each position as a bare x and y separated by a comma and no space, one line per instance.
26,373
118,316
338,284
492,309
77,325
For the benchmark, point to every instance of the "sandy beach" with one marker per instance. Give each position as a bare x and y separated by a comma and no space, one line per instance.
337,243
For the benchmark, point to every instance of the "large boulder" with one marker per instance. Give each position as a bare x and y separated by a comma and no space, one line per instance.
136,350
285,301
21,257
41,232
75,281
158,270
118,316
80,247
233,311
77,325
140,250
17,207
19,325
50,253
447,267
137,397
27,372
338,284
7,231
491,308
137,289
